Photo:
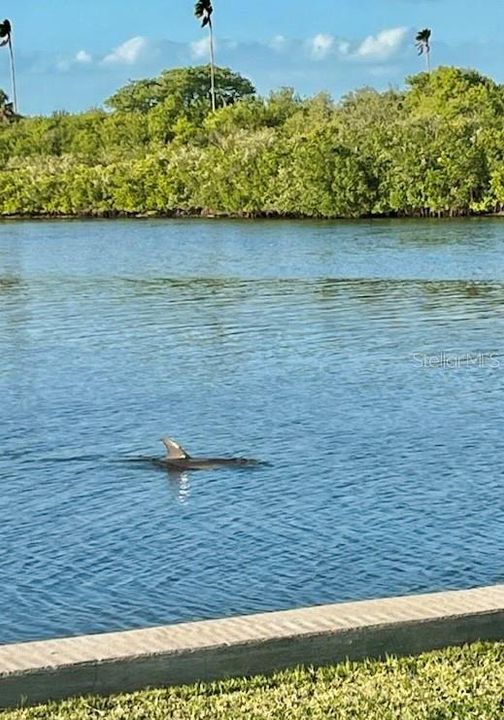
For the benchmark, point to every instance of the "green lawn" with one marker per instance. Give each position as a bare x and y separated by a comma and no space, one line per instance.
455,683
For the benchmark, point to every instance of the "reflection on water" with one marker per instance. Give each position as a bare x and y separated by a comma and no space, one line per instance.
179,485
9,284
332,351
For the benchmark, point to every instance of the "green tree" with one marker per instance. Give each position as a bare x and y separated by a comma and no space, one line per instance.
497,182
436,148
203,10
7,113
187,90
455,92
236,175
136,96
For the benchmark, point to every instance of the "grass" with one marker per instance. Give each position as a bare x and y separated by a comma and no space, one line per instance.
458,683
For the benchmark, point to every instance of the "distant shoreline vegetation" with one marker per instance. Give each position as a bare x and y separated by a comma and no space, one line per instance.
433,150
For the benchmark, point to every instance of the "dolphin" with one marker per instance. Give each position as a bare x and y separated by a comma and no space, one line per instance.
179,459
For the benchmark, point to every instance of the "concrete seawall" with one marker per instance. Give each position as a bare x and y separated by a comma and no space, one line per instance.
35,672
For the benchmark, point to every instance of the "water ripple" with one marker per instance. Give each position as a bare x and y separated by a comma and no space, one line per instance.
361,360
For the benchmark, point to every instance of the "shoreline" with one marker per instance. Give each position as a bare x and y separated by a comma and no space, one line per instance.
37,672
245,216
422,687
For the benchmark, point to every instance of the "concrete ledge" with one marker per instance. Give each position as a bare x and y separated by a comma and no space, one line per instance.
35,672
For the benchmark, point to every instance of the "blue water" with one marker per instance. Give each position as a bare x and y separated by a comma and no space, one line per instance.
364,361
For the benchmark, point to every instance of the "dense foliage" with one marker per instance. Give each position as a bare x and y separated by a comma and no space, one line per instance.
435,148
453,684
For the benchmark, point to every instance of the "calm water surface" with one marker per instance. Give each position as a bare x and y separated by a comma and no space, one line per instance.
363,361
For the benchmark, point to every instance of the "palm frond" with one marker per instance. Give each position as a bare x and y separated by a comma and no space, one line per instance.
5,28
422,41
424,35
5,32
203,10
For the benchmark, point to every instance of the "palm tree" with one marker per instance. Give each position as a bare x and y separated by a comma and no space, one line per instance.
6,39
203,10
7,114
422,41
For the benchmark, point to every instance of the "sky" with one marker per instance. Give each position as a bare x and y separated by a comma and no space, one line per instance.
72,55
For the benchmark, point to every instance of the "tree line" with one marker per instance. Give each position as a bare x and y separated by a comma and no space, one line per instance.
435,148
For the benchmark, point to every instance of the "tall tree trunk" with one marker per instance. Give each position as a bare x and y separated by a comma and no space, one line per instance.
212,66
13,77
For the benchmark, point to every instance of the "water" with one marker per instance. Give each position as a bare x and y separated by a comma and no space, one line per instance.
364,361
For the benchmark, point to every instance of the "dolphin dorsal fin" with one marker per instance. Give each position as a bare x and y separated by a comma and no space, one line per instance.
174,450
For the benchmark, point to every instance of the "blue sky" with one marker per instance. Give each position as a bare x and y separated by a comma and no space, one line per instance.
72,55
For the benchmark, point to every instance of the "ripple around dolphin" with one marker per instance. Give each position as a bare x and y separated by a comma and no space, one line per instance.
159,463
316,347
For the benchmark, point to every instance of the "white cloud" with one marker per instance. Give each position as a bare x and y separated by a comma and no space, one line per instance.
128,53
383,45
278,42
200,48
323,48
320,46
56,80
83,57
